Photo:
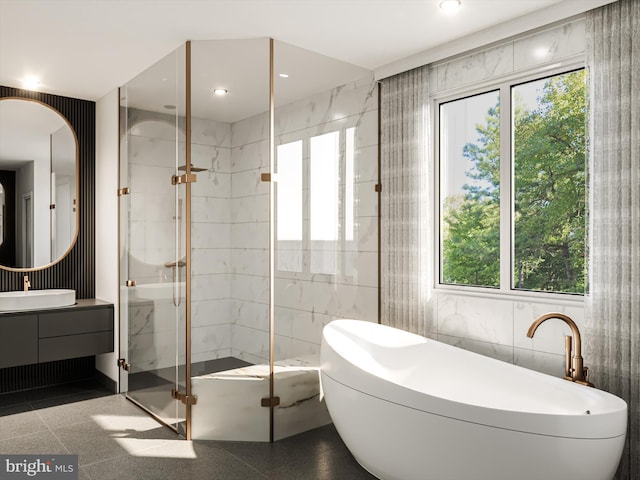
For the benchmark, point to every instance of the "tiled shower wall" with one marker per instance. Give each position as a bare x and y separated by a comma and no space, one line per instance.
230,234
304,301
490,324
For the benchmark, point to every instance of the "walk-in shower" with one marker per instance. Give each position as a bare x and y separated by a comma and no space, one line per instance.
248,220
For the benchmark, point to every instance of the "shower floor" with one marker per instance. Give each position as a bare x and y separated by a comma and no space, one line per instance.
165,376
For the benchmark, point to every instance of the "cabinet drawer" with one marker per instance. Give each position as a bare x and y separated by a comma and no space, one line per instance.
19,336
70,322
73,346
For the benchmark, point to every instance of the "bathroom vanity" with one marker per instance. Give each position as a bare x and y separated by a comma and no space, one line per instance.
38,336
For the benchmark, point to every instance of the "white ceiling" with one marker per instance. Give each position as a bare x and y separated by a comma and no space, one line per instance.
86,48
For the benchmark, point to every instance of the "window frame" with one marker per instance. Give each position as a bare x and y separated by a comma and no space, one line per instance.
507,236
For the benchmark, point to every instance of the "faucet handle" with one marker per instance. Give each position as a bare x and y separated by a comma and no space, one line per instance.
586,381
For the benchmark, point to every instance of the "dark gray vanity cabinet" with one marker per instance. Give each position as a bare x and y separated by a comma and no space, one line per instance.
18,339
79,330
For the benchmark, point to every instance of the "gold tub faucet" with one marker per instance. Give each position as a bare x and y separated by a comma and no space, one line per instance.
26,283
575,370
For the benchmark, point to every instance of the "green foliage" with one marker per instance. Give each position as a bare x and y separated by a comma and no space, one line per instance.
549,175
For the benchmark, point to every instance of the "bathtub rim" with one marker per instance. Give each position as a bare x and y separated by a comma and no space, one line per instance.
609,424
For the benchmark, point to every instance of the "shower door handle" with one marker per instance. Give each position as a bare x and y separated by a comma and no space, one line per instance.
176,265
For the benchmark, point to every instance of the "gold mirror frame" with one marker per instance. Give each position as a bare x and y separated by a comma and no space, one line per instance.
77,190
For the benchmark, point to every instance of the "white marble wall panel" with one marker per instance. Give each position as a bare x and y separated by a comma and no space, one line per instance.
250,261
155,346
210,210
338,300
476,318
211,312
210,132
476,67
352,105
211,235
364,268
548,363
367,199
152,152
366,164
493,350
498,328
343,101
250,235
543,47
249,344
211,240
210,260
300,347
211,184
210,355
210,287
250,314
253,132
252,288
210,338
250,156
247,183
250,209
550,46
549,337
367,235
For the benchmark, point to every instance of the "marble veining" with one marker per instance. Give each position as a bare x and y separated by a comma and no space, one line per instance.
236,395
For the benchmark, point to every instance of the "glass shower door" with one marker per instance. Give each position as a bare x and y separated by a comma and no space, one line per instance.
152,239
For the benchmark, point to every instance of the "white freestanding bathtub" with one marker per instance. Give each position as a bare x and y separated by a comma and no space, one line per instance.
409,408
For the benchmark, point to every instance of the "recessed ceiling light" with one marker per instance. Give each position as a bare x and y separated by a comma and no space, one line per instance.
31,82
450,5
284,75
220,91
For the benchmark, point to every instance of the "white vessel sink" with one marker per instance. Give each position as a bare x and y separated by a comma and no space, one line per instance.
36,299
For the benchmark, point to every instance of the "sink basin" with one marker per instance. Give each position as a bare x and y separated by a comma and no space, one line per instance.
36,299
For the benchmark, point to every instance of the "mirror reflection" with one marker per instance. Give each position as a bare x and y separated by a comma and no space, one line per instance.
38,188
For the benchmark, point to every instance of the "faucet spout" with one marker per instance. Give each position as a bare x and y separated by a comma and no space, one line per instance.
575,369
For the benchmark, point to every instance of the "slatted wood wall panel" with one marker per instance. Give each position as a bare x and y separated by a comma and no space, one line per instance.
77,269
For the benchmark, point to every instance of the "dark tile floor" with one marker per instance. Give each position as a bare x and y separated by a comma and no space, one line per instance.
114,439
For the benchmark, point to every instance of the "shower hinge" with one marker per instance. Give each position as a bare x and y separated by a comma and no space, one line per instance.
186,178
130,283
123,191
52,206
267,177
377,187
122,363
183,397
270,401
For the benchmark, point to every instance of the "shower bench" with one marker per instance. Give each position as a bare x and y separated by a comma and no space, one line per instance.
229,402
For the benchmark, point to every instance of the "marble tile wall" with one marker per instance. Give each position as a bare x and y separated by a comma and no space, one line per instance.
542,48
152,316
497,327
230,235
488,324
304,301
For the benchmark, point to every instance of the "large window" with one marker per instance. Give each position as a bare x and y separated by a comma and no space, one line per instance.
513,186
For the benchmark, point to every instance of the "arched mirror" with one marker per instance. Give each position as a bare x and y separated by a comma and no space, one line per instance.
38,185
